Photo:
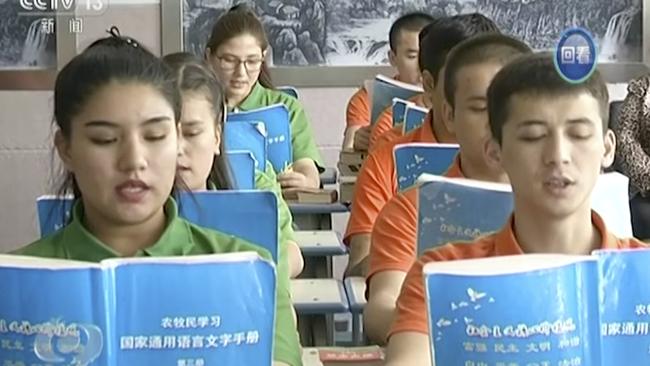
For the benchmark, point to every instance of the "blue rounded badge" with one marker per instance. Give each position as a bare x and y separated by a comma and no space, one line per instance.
575,55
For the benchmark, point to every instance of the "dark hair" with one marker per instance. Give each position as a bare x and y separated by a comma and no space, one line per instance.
114,58
237,21
482,49
193,74
536,75
443,34
413,22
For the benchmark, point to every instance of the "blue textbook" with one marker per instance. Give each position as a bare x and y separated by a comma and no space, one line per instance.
541,309
242,165
278,132
414,117
414,159
384,89
227,211
250,136
197,310
399,107
454,209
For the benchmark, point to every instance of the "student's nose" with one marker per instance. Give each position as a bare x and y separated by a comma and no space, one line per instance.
182,145
132,155
557,150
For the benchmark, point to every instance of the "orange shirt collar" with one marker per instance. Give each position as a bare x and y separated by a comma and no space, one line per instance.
506,242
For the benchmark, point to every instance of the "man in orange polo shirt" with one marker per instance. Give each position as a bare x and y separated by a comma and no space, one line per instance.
551,138
403,56
377,183
469,69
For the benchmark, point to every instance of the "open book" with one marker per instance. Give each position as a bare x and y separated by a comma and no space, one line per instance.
278,132
384,89
249,136
414,117
399,108
454,209
414,159
242,166
540,309
209,310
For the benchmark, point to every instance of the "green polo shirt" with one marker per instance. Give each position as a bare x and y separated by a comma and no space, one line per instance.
179,238
268,181
302,137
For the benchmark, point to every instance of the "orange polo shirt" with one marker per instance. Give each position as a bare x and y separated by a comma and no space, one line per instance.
358,110
384,122
377,181
394,236
411,315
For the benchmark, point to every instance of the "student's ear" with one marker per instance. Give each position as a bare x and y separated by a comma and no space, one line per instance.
428,84
207,54
392,58
217,140
492,152
448,116
264,53
63,149
610,149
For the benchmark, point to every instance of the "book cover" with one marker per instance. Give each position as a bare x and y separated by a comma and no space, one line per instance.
414,117
310,195
242,165
138,311
249,136
537,309
278,132
384,89
413,159
454,209
227,211
399,108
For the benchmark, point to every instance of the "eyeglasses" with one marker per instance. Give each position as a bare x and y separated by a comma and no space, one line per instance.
230,63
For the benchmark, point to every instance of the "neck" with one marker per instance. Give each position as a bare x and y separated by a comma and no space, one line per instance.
126,240
234,101
481,171
566,235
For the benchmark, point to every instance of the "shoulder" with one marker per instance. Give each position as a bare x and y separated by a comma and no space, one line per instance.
49,247
481,247
210,241
273,96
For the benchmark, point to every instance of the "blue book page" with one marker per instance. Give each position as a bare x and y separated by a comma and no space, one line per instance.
399,107
414,117
53,213
53,315
195,313
411,160
278,132
249,136
231,212
536,317
242,165
384,90
449,211
625,307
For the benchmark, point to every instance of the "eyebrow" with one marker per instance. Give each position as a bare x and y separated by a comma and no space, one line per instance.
580,121
249,56
192,123
477,98
531,122
150,121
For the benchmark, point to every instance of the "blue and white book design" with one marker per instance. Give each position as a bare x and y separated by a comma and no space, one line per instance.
384,89
278,132
399,107
414,159
200,310
414,117
242,165
250,136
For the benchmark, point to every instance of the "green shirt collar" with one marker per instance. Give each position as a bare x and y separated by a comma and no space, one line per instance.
82,245
254,98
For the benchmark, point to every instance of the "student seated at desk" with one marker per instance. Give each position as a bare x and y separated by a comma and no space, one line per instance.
236,51
469,69
552,140
377,181
202,163
116,109
403,56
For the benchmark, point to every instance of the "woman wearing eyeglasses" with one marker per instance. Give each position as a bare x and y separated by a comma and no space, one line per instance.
236,50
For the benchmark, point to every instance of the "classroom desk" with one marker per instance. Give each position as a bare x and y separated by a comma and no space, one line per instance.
355,288
316,301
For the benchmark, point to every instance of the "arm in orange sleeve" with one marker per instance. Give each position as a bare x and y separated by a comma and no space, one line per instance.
387,137
374,187
392,252
357,116
409,336
384,123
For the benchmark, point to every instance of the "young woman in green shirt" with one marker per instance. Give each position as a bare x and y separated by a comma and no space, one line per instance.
116,110
236,51
201,132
